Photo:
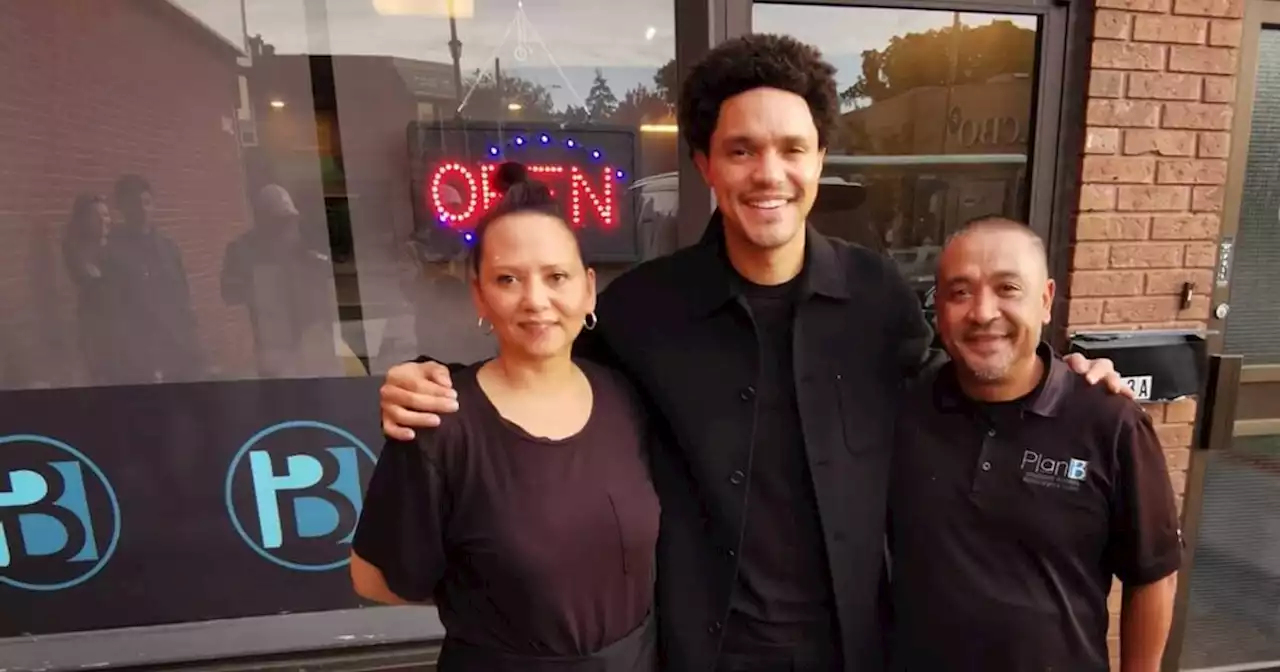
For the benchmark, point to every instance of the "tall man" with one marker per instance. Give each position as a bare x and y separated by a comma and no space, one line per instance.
151,325
771,357
1019,491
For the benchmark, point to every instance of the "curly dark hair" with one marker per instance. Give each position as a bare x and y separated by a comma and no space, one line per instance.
752,62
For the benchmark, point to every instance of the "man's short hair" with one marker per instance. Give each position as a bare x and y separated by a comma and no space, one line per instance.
1002,223
752,62
131,187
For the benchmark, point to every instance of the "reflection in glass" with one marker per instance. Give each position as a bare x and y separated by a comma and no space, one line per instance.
1232,619
935,125
1255,275
235,190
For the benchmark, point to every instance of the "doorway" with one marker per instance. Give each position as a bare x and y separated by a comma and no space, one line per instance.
1229,600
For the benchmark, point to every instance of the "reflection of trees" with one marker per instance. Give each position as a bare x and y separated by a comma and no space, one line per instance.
489,100
666,82
601,103
925,59
639,105
575,114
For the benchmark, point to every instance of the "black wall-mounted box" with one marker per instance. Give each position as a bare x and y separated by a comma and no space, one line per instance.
1158,365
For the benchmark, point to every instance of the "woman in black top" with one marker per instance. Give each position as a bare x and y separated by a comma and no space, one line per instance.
528,517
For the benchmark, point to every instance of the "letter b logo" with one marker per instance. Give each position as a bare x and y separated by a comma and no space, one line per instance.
59,517
293,493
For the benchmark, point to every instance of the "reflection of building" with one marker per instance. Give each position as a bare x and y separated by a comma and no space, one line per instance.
988,118
362,175
959,152
350,177
103,89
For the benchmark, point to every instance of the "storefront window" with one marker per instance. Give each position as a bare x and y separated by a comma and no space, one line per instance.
222,222
935,125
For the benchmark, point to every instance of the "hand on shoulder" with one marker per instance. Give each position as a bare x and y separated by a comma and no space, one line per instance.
415,395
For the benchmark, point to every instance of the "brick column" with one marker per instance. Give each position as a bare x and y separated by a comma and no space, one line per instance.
1159,114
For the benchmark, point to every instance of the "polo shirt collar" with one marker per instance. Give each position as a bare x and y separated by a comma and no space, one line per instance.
716,283
1045,400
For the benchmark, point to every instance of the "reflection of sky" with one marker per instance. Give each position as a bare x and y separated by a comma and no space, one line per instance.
576,35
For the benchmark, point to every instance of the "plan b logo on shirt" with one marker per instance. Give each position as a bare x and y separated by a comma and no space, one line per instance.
1045,471
293,493
59,516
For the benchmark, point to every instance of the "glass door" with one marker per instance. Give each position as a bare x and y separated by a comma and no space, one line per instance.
1229,606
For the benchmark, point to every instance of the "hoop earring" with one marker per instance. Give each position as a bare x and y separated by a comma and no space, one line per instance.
591,321
481,327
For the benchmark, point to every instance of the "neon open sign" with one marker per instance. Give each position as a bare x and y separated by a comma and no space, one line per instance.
459,194
588,168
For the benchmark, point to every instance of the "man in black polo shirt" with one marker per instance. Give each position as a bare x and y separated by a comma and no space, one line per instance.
1019,490
771,357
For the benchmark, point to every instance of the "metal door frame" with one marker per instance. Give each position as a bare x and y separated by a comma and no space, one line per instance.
1258,13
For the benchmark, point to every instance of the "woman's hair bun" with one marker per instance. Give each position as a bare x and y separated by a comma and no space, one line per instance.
521,192
509,174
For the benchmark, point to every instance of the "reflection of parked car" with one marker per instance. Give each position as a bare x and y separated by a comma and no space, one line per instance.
928,302
656,200
918,265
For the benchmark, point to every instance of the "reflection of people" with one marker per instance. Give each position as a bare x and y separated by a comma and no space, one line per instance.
152,327
287,289
435,283
530,520
83,244
774,355
443,317
1019,490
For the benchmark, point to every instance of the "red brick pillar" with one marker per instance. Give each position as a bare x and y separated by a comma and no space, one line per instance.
1161,93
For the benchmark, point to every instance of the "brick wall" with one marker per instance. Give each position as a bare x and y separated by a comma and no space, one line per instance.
1158,131
92,90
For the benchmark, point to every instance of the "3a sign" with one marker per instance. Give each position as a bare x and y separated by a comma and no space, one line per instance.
293,493
59,516
1140,385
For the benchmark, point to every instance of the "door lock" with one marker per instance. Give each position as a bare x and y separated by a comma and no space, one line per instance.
1221,311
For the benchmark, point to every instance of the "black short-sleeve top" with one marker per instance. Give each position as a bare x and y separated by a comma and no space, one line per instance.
527,545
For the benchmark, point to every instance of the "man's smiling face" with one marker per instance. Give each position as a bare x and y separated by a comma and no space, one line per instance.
763,164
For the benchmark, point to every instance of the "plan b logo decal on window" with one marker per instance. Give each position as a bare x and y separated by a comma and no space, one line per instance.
293,492
1049,472
59,516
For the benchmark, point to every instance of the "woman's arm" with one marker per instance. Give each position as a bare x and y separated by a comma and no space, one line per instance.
398,553
371,585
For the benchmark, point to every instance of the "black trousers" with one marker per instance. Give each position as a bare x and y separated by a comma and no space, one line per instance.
637,652
807,658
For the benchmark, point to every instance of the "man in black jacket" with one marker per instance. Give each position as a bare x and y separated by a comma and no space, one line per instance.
772,357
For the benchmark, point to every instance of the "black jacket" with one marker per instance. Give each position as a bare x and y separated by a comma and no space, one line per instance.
680,330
